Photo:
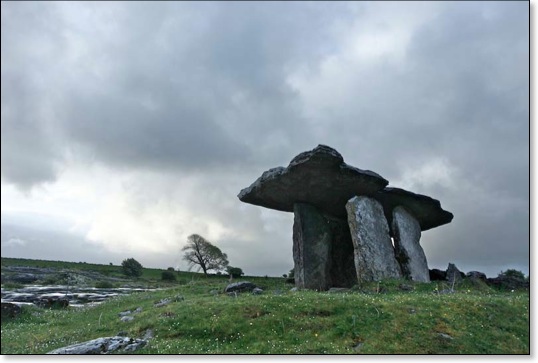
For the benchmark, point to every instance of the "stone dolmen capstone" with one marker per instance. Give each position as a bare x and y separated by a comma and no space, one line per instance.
344,220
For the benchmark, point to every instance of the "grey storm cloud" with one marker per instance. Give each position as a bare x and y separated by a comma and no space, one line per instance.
208,88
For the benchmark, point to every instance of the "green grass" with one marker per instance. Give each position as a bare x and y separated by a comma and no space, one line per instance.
479,320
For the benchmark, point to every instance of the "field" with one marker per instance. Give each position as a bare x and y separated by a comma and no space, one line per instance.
374,319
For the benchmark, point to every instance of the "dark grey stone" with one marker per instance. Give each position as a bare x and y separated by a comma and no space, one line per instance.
319,177
409,253
257,291
453,275
374,254
322,250
426,210
10,310
437,275
102,346
241,286
311,248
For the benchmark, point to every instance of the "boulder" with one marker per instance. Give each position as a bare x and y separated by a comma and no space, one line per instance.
319,177
373,250
240,286
257,291
476,275
102,346
426,210
453,275
10,310
409,253
437,275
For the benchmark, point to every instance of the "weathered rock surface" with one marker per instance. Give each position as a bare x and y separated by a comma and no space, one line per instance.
102,346
476,275
322,250
374,254
409,253
319,177
453,275
240,286
426,210
437,275
311,248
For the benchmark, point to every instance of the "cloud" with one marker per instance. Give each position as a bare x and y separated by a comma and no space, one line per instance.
138,123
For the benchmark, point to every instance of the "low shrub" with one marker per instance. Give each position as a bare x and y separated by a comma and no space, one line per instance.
168,276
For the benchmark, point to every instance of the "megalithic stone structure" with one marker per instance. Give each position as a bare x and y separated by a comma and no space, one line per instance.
407,247
374,253
316,186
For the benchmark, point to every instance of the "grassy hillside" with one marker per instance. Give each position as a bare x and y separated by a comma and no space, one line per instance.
379,319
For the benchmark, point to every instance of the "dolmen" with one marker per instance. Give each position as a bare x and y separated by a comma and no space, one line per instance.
349,227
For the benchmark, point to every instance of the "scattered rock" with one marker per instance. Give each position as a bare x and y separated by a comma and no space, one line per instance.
10,310
508,282
358,346
127,318
409,253
124,313
214,292
444,336
162,302
437,275
453,275
137,310
178,298
257,291
241,286
294,289
476,275
374,254
102,346
148,334
412,311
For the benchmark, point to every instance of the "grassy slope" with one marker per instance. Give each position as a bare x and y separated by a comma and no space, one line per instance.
480,321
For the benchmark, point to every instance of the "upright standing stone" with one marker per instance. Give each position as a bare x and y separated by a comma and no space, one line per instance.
409,253
311,248
374,253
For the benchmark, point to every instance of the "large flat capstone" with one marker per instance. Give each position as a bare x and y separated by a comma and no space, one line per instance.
319,177
374,253
426,210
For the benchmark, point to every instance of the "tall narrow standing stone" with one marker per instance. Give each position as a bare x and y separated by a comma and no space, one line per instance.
374,253
311,248
409,253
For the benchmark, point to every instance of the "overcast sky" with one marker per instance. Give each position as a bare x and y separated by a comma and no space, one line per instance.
128,126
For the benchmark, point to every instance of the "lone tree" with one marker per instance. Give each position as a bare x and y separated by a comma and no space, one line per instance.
131,267
200,252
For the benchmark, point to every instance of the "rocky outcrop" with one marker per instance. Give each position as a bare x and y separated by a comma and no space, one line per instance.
409,253
104,345
374,253
319,177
